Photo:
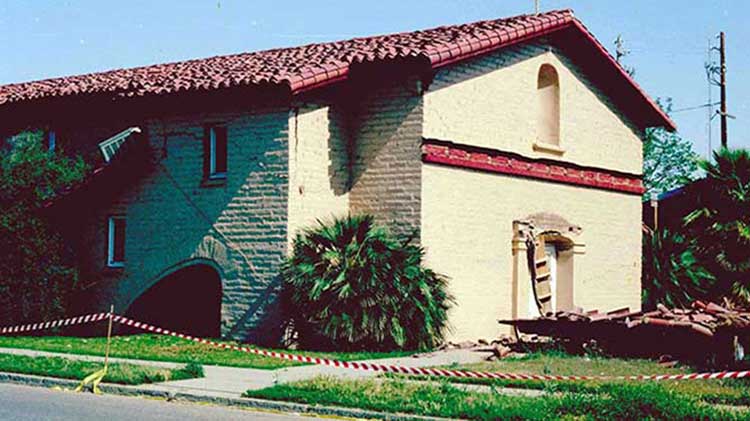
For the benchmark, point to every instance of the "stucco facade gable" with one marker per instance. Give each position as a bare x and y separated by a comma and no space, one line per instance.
491,102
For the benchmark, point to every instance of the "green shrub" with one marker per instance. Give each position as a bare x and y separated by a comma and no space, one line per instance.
672,275
37,277
720,226
349,285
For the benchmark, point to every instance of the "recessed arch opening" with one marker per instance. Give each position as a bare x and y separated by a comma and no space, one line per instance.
548,105
187,300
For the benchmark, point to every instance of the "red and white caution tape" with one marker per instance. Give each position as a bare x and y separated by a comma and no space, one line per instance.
89,318
420,371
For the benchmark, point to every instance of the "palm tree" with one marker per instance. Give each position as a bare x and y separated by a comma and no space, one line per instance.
672,275
720,225
349,285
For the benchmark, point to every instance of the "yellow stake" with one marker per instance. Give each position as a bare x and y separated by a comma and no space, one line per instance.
109,336
96,377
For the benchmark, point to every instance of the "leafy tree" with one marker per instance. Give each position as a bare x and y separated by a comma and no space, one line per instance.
349,285
669,161
35,280
720,225
672,275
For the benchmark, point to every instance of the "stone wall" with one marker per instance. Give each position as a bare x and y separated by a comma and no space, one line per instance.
386,175
174,218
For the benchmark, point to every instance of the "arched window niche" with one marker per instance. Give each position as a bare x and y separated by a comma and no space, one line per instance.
548,110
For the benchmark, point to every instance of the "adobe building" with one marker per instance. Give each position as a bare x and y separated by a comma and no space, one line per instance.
472,138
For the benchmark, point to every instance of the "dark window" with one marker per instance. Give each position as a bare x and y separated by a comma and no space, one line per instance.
216,152
50,140
116,240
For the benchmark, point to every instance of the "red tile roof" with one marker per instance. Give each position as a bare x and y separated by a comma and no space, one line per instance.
309,66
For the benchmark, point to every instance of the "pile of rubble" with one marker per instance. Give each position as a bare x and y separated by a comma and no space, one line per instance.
705,331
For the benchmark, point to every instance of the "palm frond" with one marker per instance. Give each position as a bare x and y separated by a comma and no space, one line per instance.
350,285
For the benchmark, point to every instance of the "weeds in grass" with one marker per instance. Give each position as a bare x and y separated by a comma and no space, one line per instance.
193,369
644,401
730,391
73,369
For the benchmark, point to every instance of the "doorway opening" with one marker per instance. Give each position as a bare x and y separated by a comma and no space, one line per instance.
186,301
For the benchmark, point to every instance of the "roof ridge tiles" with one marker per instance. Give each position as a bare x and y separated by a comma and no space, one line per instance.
7,94
307,66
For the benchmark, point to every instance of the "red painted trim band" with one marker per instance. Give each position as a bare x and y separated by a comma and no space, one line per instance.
497,162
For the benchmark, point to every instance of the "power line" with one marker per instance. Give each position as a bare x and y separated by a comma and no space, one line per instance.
697,107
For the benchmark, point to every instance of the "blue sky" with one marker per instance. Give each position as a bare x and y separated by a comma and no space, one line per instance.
667,38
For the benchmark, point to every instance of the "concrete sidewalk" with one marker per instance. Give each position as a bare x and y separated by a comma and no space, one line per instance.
232,382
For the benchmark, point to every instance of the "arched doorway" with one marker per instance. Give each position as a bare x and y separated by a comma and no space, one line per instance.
545,247
187,301
555,254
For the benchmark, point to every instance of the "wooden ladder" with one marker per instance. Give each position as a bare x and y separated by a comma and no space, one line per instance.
541,278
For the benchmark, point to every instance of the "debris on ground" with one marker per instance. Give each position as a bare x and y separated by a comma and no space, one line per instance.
703,332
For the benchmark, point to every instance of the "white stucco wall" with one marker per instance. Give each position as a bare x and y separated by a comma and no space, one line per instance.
318,167
467,216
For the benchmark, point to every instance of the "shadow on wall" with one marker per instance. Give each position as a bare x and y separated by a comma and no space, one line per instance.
340,148
386,137
173,217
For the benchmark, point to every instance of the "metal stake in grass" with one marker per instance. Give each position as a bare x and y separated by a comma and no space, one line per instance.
109,336
95,378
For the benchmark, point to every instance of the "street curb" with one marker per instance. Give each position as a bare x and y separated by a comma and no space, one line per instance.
268,405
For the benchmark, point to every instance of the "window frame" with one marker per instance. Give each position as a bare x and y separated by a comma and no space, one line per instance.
213,172
50,140
112,241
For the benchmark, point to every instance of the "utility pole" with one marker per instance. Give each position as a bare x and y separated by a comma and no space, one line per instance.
536,7
723,86
709,66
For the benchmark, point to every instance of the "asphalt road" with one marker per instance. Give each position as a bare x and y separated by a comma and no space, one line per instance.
35,403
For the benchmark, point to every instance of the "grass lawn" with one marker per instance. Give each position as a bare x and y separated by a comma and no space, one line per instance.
71,369
730,392
631,401
168,348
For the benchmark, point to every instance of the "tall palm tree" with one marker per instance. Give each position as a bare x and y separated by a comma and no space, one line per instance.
720,225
